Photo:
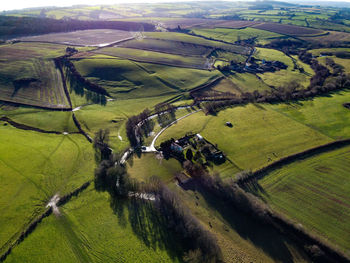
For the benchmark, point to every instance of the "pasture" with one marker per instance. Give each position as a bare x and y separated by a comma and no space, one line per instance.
157,58
34,167
94,228
127,79
233,35
260,135
314,192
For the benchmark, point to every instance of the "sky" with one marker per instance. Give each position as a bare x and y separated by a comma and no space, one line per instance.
20,4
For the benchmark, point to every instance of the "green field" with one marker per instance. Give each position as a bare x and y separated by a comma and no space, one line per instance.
282,77
34,167
92,228
155,57
259,135
233,35
127,79
314,192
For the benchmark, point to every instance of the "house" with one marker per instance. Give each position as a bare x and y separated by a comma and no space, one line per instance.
182,178
176,148
199,137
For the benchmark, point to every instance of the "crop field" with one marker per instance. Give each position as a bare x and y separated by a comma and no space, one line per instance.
167,46
288,29
315,192
128,79
35,167
156,58
94,228
233,35
96,37
276,135
40,84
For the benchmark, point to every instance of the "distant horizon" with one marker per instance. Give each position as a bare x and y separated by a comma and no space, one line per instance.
33,4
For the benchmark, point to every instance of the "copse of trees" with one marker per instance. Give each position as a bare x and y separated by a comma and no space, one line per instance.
100,143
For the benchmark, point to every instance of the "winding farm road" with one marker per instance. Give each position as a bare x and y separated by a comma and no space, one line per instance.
151,148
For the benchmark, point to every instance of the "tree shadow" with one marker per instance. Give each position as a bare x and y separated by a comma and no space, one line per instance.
262,235
91,96
146,221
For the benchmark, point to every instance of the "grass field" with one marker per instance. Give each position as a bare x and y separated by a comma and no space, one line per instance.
127,79
93,228
34,167
60,121
315,192
282,77
324,114
232,35
259,135
156,57
197,40
247,82
148,165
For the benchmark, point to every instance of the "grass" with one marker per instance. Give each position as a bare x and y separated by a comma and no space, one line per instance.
148,165
155,57
315,192
248,82
127,79
283,77
233,35
113,116
241,238
324,114
34,167
259,135
168,46
60,121
92,228
196,40
28,60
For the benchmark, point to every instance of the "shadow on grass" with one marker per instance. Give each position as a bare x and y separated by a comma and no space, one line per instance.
262,235
147,223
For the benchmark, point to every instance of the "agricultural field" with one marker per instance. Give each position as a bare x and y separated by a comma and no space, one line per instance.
235,107
233,35
28,76
315,193
97,37
128,79
35,167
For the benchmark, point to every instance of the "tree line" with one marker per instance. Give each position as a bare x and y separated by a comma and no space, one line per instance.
20,26
111,176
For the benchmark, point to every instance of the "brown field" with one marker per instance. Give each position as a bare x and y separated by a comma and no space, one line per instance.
95,37
288,29
236,24
332,36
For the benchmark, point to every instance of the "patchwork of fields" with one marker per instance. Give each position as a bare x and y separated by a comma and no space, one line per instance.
257,90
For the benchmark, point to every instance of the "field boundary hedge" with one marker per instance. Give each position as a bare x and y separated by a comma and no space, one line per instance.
31,227
261,172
